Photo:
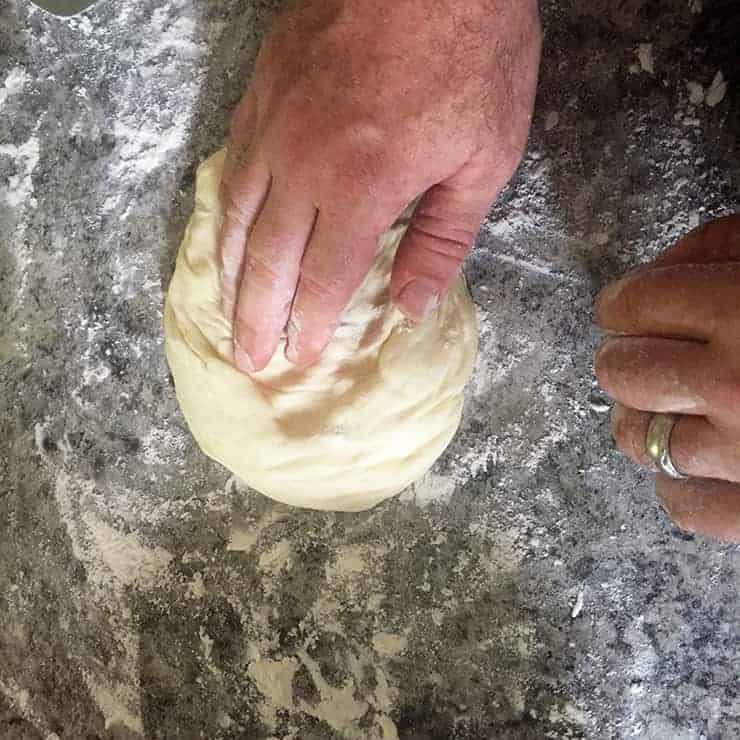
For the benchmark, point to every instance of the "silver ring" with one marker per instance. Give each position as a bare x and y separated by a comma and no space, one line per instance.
658,444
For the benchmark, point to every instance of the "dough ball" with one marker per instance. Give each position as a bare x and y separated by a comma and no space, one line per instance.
361,425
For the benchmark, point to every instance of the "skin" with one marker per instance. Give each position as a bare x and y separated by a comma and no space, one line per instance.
674,346
356,108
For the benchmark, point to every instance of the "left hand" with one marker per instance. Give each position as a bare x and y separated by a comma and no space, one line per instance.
674,347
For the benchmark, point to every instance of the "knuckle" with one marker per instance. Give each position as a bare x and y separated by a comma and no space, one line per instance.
443,235
629,439
629,428
233,210
261,270
315,287
363,150
361,160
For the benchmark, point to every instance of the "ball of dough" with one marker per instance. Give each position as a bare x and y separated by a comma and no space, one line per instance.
369,419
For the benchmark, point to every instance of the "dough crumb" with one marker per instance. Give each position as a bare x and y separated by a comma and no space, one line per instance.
716,92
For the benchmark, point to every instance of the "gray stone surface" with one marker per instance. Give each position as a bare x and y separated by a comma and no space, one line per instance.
145,593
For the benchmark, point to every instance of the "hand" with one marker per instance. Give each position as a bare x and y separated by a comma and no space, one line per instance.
356,107
675,347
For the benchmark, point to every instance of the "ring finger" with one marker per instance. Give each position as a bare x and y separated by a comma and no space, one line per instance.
697,447
245,184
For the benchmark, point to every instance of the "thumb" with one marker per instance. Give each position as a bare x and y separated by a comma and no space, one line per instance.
442,231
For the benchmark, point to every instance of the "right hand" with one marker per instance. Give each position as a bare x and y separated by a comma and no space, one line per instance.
356,107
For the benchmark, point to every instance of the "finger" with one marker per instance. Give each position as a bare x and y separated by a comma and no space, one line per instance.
336,260
661,375
243,122
273,258
442,232
630,428
681,301
244,195
241,134
706,507
697,447
716,241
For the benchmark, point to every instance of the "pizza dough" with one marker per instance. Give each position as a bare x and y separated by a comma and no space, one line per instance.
361,425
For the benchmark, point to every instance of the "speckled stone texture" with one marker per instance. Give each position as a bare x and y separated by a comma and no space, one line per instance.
144,593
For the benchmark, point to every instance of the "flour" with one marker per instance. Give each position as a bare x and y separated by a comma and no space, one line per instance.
113,561
163,446
107,552
507,240
21,699
575,612
128,560
434,488
530,491
146,136
93,370
14,84
274,679
94,375
552,120
113,704
567,712
133,275
717,90
278,558
389,645
645,57
18,195
696,92
144,147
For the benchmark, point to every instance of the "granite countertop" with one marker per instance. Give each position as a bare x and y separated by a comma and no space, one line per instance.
529,587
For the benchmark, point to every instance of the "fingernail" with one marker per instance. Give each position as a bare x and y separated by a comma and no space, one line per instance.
242,360
419,298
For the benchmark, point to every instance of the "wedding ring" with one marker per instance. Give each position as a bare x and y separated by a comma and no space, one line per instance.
658,444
